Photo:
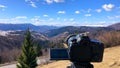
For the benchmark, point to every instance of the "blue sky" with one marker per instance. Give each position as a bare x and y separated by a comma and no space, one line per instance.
60,12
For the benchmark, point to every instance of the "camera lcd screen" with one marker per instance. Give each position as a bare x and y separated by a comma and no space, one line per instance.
59,54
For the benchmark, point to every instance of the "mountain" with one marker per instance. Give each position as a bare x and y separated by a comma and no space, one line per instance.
74,30
54,32
11,35
6,27
51,31
14,39
115,26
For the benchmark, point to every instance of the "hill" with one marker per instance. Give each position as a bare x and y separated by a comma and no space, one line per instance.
115,26
14,39
55,32
111,59
6,27
78,29
51,31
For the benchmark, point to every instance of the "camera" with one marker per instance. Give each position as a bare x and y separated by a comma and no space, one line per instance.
81,49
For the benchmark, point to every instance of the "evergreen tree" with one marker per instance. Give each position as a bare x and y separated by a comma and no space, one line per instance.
38,50
28,56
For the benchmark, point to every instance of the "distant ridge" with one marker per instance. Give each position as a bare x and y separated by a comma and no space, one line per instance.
16,26
115,26
51,31
78,29
6,27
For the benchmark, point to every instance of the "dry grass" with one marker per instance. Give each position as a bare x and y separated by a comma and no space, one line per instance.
111,60
110,39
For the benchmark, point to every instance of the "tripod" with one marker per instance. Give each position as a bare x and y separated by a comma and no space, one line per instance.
81,65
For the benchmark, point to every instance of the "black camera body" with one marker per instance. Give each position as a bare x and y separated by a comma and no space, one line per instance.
80,49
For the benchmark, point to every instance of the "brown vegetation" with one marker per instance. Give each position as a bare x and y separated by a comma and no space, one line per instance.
110,38
9,55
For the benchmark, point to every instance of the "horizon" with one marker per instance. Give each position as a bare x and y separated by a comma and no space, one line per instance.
57,25
60,12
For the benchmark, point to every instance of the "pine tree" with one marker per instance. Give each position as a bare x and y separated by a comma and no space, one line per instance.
38,50
28,56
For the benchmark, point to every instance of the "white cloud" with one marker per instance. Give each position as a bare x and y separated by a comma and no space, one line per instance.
65,23
108,7
117,16
31,3
64,19
89,10
45,15
77,12
58,18
49,1
98,10
88,15
102,22
21,17
37,17
61,12
95,25
15,20
110,17
114,17
106,23
51,19
53,1
71,19
57,1
36,20
8,20
5,21
2,7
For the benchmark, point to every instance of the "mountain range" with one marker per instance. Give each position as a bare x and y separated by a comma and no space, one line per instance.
11,35
6,27
51,31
